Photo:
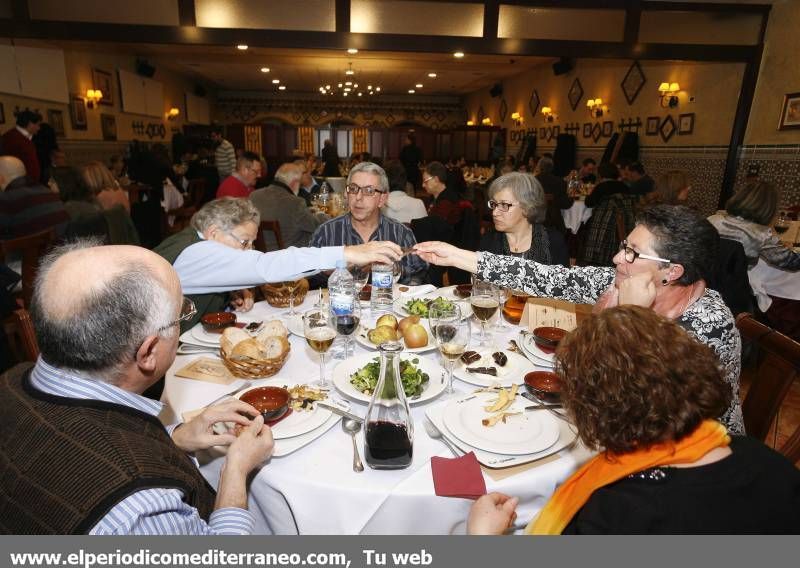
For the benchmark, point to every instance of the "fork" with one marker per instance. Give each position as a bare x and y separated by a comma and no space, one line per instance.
436,434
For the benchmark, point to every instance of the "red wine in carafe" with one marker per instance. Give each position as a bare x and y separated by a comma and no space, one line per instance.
388,445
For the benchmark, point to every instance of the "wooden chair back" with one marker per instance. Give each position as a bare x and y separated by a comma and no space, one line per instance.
182,215
777,366
275,228
21,337
197,192
31,248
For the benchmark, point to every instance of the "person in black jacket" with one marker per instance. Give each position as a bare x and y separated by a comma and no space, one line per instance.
556,190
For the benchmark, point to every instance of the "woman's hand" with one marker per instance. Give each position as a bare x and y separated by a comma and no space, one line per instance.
197,434
384,252
242,300
638,290
492,514
443,254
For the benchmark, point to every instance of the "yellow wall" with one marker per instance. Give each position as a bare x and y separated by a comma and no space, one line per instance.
779,74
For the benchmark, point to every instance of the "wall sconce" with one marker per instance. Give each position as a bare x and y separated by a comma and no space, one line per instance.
93,97
596,107
517,118
669,94
470,123
548,114
173,113
486,121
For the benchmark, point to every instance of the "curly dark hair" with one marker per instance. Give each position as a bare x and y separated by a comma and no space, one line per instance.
683,236
632,378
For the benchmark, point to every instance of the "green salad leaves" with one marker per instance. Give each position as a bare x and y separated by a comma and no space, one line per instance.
414,380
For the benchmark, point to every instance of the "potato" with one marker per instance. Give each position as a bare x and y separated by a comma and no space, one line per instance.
406,322
388,320
382,334
415,336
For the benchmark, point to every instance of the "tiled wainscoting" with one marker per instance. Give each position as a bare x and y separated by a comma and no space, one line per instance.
778,164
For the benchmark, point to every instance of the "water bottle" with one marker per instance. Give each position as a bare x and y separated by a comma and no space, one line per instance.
382,295
341,289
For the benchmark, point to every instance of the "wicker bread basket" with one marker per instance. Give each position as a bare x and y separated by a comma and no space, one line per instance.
251,368
279,293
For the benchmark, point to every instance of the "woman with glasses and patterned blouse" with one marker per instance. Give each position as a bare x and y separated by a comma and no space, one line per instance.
518,205
662,265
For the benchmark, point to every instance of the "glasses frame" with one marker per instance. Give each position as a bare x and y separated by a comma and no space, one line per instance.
623,246
503,206
355,189
246,244
188,311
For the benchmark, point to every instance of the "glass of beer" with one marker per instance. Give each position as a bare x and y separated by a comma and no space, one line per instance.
484,302
320,331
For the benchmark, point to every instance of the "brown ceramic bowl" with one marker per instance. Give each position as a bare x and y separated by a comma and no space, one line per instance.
216,322
271,402
545,385
548,337
463,290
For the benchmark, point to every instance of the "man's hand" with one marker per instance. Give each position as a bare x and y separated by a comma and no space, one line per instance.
242,300
638,290
492,514
197,434
252,448
443,254
384,252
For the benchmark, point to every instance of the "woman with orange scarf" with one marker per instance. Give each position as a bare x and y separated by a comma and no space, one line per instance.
639,387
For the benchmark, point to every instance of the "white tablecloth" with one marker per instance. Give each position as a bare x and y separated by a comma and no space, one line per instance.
576,215
768,281
315,491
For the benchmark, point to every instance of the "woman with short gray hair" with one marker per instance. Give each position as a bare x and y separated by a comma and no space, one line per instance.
518,206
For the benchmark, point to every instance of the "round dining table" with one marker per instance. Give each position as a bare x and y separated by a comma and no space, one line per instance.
311,488
576,215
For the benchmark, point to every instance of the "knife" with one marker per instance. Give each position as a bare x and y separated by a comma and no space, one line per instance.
340,412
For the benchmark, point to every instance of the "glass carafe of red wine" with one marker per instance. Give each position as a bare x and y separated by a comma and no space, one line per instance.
389,433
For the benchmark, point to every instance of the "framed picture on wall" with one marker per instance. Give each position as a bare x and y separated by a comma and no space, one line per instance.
108,124
608,128
77,112
686,123
102,80
790,115
633,82
653,123
55,118
587,129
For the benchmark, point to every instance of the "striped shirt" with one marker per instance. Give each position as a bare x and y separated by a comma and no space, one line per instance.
225,159
152,511
340,231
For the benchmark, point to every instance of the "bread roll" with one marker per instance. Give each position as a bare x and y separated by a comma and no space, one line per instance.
273,328
231,337
247,348
274,347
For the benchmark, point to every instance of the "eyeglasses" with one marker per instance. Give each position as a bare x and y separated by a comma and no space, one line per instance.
427,179
188,311
244,243
501,205
368,190
631,255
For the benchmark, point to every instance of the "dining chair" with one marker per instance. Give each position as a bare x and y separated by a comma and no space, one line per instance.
182,217
31,248
197,192
21,337
777,363
275,228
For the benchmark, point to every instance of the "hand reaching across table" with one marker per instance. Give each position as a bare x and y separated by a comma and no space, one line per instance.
375,251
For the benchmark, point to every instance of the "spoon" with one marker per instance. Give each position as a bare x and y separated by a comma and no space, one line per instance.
436,434
352,427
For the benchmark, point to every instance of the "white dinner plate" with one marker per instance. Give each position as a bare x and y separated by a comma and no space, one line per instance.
530,347
523,433
295,325
343,371
298,422
512,373
399,305
362,339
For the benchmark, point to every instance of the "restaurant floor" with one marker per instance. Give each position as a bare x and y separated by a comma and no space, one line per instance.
789,415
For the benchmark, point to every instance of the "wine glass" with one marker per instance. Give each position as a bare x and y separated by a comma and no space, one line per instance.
452,333
503,295
292,286
320,331
782,223
484,304
360,276
397,273
346,326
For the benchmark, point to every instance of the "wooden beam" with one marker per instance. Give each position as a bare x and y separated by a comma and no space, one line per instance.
20,10
342,16
491,17
649,5
186,13
633,17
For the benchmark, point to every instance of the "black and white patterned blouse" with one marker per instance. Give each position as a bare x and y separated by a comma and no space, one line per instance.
708,319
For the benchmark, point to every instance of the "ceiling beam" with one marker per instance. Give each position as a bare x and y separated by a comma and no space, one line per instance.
633,17
342,16
20,10
186,13
491,18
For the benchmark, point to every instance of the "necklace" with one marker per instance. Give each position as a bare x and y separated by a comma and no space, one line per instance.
520,247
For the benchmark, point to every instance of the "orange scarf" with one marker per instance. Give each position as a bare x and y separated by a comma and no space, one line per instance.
600,471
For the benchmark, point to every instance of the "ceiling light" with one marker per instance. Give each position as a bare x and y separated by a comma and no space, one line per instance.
345,94
265,69
340,85
432,75
411,91
327,86
276,81
359,94
347,89
352,51
282,88
242,46
355,85
418,85
369,87
458,54
348,83
349,70
377,89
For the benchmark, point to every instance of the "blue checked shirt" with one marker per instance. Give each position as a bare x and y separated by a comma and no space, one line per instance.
340,232
148,511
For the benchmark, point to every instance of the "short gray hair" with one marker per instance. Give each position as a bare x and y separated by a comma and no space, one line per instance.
226,213
289,173
103,334
545,166
370,168
527,190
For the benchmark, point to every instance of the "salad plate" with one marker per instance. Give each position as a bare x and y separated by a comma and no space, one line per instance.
405,306
366,368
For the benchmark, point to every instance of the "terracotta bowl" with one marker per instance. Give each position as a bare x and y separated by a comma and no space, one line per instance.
545,385
548,337
271,402
216,322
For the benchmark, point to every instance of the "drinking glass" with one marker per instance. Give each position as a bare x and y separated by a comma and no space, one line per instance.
397,273
293,286
782,224
484,304
346,326
503,295
452,333
320,331
360,276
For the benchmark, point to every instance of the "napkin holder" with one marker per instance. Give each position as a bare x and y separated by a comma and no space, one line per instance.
549,312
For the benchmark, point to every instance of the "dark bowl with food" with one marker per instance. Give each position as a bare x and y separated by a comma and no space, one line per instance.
366,293
544,385
548,338
463,290
271,402
216,322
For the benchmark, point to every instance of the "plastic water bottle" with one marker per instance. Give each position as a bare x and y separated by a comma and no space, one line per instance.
382,290
342,291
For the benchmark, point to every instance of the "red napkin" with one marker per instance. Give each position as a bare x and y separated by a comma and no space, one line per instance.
458,477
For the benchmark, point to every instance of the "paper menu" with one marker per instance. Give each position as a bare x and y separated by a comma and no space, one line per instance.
548,312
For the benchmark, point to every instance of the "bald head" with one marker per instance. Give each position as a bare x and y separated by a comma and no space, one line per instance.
11,168
93,306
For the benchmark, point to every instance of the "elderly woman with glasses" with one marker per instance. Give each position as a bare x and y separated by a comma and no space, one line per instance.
661,265
216,264
518,206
